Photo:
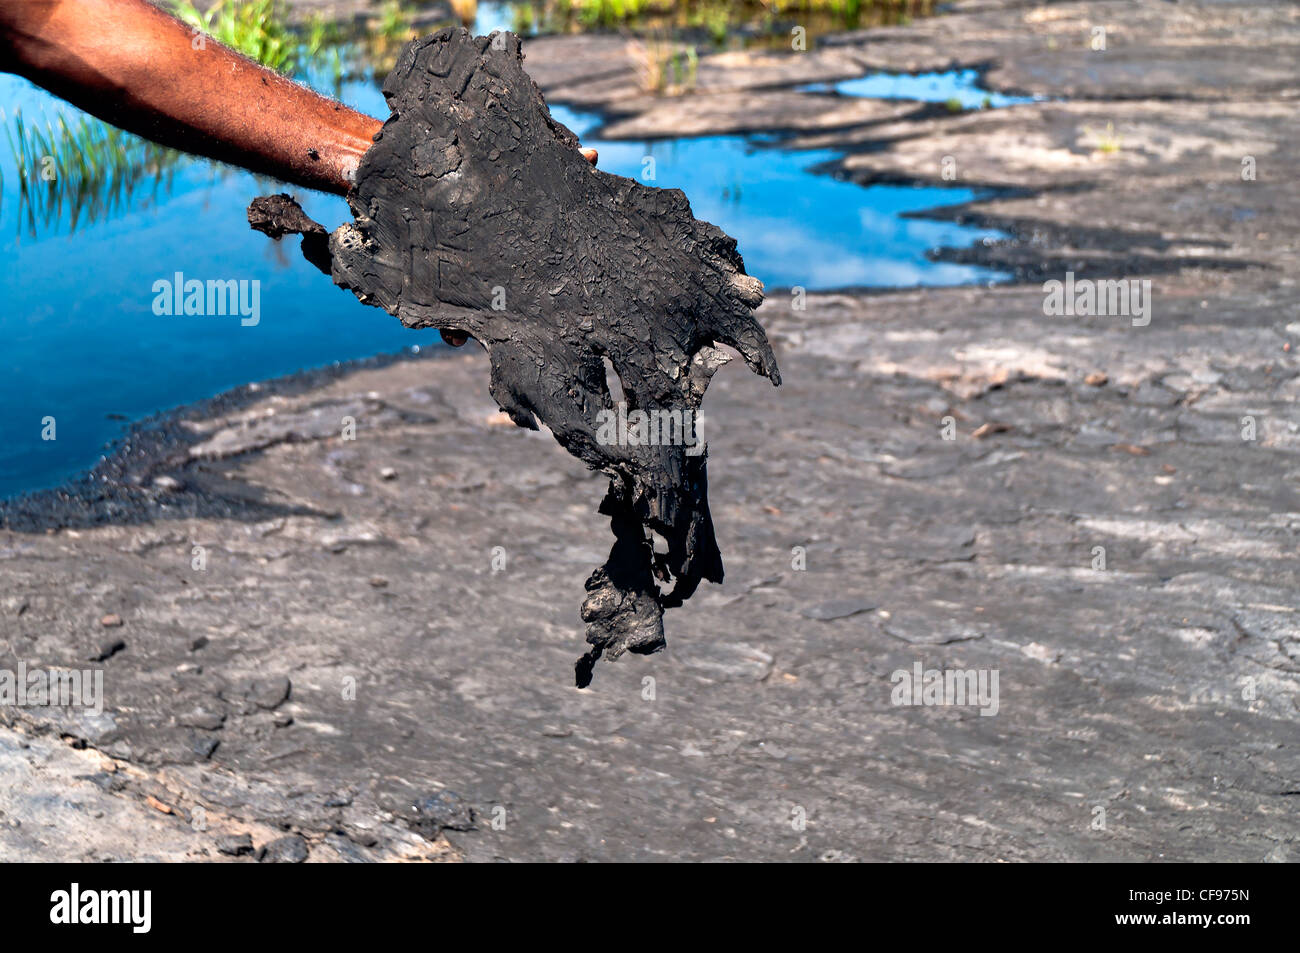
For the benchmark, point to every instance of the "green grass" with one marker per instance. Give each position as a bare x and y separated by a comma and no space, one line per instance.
394,22
83,166
256,28
715,17
849,11
1108,143
608,13
664,67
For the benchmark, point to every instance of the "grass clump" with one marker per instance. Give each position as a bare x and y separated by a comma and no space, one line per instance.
256,28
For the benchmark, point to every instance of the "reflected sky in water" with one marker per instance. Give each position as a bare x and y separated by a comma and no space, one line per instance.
961,86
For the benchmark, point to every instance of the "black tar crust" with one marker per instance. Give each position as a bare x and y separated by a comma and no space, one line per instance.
474,210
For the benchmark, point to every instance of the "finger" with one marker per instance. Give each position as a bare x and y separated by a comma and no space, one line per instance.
590,155
453,337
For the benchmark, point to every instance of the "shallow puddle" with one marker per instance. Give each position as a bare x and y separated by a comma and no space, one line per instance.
958,89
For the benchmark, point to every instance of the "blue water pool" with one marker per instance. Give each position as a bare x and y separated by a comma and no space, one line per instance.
952,86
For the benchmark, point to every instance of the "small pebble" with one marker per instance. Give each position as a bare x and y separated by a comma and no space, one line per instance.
235,844
107,649
204,720
284,850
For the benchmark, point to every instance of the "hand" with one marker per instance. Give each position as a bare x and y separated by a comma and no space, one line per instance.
458,338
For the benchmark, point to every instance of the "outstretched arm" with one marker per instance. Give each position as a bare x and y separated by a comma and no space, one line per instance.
135,66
